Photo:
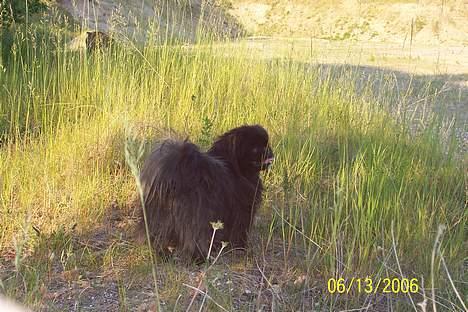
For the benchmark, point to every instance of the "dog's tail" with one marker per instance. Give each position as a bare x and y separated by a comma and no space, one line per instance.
176,174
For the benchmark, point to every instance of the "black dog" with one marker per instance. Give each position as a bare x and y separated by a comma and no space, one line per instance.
185,190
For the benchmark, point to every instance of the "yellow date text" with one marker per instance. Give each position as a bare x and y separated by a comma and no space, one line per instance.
369,285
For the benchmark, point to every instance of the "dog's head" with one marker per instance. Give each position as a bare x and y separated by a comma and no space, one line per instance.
246,147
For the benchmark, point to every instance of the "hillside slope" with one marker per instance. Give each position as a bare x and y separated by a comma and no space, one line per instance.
134,19
429,21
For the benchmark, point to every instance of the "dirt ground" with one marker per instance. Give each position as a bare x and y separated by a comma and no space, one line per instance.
122,280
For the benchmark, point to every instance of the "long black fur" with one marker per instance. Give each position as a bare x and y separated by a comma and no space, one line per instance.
185,190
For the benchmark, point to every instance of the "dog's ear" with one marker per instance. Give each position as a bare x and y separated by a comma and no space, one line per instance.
229,146
232,144
235,150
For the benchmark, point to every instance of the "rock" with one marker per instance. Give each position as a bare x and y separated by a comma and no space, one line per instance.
97,40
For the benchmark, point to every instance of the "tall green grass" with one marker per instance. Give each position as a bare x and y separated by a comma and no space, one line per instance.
353,191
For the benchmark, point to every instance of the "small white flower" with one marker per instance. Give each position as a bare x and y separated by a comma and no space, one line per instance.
218,225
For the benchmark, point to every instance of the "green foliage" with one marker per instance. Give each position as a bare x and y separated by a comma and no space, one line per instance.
206,132
16,11
12,12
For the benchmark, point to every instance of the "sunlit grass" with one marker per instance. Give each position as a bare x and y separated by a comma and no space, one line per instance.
347,172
